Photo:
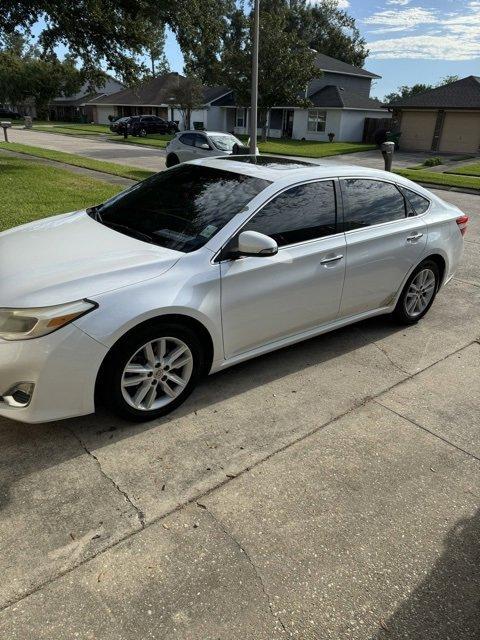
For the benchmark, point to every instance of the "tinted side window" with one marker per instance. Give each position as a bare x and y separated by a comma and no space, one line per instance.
419,203
199,140
188,138
302,213
371,202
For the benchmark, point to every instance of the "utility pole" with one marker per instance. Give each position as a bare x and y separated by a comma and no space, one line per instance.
253,110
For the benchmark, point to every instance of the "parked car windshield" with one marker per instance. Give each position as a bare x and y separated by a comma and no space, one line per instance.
179,209
224,143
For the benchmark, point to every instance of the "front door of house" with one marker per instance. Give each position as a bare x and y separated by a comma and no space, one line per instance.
287,128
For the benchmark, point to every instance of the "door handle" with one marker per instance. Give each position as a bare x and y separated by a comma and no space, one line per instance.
333,259
414,236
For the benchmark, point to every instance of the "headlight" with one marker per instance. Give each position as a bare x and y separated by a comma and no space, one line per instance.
24,324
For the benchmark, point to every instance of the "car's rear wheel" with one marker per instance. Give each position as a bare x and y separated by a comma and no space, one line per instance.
172,160
152,371
418,293
142,133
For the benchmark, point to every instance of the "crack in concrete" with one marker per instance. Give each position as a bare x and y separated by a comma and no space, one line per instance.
427,430
383,351
258,575
128,500
185,503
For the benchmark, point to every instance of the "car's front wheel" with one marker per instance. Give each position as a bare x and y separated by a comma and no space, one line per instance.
142,133
418,293
172,160
152,371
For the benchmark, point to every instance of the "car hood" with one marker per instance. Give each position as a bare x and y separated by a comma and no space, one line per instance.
70,257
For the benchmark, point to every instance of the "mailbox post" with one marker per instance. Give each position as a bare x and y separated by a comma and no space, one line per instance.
388,149
5,125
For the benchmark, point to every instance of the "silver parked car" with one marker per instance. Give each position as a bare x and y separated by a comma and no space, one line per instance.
192,145
203,266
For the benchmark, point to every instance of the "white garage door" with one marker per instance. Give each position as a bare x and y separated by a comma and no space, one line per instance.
417,130
461,133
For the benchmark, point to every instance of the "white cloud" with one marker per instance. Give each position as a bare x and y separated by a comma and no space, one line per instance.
425,47
342,4
405,18
399,2
449,36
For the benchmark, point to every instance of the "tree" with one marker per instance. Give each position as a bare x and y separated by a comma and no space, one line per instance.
114,32
155,48
327,29
406,92
25,75
187,95
286,63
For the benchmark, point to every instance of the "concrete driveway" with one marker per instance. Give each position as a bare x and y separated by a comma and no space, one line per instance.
326,491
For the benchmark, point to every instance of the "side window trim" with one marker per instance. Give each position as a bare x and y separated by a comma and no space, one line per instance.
338,208
345,202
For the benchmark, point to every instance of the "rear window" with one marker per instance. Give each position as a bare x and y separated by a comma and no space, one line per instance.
418,202
182,208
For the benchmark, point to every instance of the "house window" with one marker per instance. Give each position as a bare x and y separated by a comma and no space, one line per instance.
317,120
240,118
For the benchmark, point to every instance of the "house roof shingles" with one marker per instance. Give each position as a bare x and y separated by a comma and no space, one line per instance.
326,63
462,94
336,97
157,91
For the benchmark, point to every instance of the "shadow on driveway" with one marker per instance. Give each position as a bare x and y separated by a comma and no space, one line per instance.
446,605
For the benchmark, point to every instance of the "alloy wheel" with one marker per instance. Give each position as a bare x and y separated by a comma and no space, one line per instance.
420,292
157,373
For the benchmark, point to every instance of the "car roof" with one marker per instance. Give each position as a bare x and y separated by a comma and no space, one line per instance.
280,169
208,133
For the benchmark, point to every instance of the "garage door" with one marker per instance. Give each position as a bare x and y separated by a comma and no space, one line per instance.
417,130
461,133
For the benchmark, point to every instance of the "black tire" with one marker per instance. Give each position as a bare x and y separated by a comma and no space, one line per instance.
109,385
172,160
142,133
401,314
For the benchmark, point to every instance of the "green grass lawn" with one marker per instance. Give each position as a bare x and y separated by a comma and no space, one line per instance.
159,140
67,131
31,190
444,179
311,149
78,161
468,170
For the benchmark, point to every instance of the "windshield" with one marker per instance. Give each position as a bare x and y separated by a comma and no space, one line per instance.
179,209
224,143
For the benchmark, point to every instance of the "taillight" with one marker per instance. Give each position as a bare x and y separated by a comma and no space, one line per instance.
462,224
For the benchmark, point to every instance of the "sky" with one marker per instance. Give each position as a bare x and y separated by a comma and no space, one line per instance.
410,41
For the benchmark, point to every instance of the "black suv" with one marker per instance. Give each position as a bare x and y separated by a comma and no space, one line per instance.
143,125
8,113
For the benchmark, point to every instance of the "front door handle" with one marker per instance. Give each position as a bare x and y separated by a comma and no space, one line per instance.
414,237
332,259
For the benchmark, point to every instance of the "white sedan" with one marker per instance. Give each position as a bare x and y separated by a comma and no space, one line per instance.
193,145
203,266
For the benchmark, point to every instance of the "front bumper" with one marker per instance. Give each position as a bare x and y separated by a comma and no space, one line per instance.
63,366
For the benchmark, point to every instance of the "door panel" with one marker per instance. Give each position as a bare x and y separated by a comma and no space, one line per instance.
266,299
378,258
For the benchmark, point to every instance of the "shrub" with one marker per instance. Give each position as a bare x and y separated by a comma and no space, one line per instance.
432,162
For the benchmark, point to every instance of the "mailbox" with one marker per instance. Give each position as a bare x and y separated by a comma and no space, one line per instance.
5,125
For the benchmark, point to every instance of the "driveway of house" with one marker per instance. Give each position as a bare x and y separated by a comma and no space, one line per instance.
326,491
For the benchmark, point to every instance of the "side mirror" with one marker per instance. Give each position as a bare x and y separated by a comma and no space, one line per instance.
205,146
252,243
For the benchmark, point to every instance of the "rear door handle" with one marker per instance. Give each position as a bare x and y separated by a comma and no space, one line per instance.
333,259
414,236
